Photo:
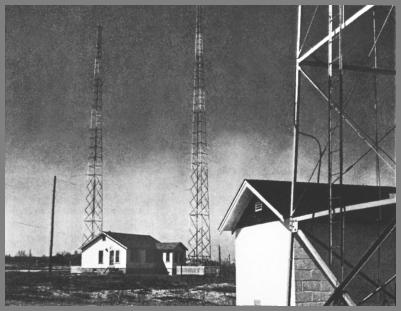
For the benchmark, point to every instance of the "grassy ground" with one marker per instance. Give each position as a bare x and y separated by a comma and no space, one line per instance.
40,288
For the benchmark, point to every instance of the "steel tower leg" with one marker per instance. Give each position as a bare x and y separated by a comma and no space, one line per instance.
295,147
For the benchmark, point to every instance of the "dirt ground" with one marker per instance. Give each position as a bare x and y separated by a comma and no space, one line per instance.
40,288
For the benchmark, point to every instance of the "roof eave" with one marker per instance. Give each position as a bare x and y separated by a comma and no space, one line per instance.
116,241
82,247
225,225
86,244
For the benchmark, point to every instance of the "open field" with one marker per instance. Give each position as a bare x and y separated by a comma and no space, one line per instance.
60,288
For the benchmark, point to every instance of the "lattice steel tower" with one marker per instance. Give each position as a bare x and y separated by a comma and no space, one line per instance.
94,208
199,243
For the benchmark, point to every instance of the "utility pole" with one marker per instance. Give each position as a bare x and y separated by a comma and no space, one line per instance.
220,272
219,255
30,260
52,225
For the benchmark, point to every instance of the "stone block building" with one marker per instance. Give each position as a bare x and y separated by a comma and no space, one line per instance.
285,261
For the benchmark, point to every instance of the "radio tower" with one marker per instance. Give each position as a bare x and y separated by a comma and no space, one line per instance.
199,243
94,208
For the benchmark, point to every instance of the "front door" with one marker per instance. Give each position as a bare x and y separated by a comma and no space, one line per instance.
111,258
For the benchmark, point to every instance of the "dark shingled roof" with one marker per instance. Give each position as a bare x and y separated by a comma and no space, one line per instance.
133,240
169,246
313,197
127,239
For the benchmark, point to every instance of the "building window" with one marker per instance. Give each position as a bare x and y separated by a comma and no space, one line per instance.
258,206
100,257
117,256
111,257
167,256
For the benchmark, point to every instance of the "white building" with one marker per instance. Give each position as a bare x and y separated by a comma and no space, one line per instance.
131,253
173,256
259,219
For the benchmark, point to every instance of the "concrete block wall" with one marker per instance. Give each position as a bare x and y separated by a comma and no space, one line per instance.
358,236
311,286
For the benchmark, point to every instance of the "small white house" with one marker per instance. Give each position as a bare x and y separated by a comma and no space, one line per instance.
259,219
173,256
104,252
130,253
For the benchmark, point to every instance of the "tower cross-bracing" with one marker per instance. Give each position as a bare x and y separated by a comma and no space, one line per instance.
199,242
93,218
334,54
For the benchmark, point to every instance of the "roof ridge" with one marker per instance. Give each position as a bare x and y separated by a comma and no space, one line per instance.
133,235
127,233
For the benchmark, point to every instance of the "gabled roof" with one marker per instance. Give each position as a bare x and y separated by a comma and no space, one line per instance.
309,198
127,240
133,240
170,246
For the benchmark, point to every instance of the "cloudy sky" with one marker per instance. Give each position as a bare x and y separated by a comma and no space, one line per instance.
148,69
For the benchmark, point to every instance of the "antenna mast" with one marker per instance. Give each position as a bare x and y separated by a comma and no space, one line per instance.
199,243
94,208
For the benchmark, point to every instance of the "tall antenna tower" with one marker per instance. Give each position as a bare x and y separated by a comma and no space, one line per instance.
335,54
199,243
94,208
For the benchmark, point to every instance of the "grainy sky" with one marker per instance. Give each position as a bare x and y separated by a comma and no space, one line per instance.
147,96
